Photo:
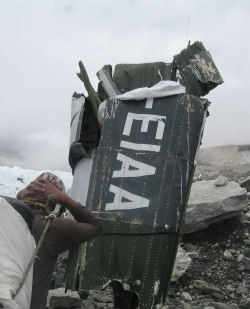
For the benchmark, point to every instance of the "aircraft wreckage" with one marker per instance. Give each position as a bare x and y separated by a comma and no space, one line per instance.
133,145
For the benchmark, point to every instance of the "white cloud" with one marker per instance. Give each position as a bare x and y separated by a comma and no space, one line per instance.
42,42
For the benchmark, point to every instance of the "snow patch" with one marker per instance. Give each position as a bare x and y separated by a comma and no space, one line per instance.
13,179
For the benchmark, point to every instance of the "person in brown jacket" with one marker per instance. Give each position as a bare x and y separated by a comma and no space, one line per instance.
63,233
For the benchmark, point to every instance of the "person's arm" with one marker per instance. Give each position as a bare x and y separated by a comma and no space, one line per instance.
40,190
88,225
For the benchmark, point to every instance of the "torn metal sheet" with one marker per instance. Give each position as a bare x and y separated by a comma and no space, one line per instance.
139,176
195,69
132,76
77,109
140,183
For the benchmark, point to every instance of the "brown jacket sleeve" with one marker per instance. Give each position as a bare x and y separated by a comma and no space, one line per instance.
65,233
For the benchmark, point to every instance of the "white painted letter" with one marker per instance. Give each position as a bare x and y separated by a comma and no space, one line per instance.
145,118
140,147
135,201
139,168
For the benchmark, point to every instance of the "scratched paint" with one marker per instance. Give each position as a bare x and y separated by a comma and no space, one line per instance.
141,178
141,192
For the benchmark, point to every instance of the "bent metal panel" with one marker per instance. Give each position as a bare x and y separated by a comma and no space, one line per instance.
140,182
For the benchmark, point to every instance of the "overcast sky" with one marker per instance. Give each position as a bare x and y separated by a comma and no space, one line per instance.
43,40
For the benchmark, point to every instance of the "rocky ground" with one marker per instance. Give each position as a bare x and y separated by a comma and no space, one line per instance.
219,275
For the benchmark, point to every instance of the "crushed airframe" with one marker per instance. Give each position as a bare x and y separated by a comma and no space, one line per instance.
135,170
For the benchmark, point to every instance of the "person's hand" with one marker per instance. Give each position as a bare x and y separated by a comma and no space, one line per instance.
42,189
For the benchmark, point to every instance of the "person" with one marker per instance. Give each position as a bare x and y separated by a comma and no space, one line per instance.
62,234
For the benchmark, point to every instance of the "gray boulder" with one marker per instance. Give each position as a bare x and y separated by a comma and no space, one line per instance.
246,184
59,299
209,203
